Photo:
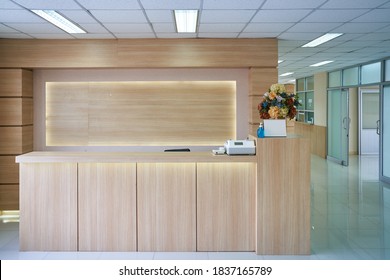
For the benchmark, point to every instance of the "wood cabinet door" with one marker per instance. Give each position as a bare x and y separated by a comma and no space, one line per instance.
48,207
226,206
166,206
107,207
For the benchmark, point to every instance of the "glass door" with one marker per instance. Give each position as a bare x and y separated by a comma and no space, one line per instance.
338,126
385,136
369,121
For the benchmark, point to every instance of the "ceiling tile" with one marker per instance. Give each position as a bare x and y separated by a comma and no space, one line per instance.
6,4
79,16
6,29
109,5
347,4
341,15
218,35
232,4
93,28
35,28
122,16
160,15
377,15
280,15
359,27
267,27
49,5
171,4
94,36
221,27
164,27
259,34
314,27
52,36
15,36
128,28
19,16
307,36
134,35
226,16
292,4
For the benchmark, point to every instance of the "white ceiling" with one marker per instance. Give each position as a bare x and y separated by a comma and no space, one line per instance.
365,24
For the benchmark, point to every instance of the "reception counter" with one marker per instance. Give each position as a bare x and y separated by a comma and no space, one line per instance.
196,201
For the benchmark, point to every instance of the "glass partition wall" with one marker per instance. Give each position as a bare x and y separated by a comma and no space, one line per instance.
372,75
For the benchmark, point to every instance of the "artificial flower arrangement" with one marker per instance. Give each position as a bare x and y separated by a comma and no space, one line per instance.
278,104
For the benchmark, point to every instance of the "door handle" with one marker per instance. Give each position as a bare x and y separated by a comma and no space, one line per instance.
378,122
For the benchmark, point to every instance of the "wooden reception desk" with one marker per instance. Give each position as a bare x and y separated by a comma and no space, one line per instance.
84,201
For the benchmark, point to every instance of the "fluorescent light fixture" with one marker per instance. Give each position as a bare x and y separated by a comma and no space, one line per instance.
323,39
321,63
286,74
59,21
186,20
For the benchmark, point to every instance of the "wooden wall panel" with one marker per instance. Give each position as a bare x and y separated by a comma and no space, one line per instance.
166,202
140,113
107,207
317,136
9,170
138,53
260,80
48,207
16,140
15,82
286,197
9,197
226,206
67,109
16,111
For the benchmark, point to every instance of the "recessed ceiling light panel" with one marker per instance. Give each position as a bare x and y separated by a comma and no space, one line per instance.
186,20
286,74
321,40
59,21
321,63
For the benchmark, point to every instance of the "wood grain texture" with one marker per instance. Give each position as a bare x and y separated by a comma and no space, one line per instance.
9,170
15,82
48,207
107,207
123,157
140,113
283,196
138,53
16,140
16,111
166,201
9,197
317,136
226,206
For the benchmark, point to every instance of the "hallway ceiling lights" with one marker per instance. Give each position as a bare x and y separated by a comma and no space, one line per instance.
186,20
59,21
321,63
321,40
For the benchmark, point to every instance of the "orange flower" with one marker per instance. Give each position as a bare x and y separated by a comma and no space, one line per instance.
272,95
273,112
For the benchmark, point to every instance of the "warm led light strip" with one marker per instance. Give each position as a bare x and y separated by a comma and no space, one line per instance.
58,20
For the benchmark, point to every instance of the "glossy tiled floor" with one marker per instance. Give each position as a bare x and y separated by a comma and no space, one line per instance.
350,220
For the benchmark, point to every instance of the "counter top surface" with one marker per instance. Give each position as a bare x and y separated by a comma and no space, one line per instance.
116,157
